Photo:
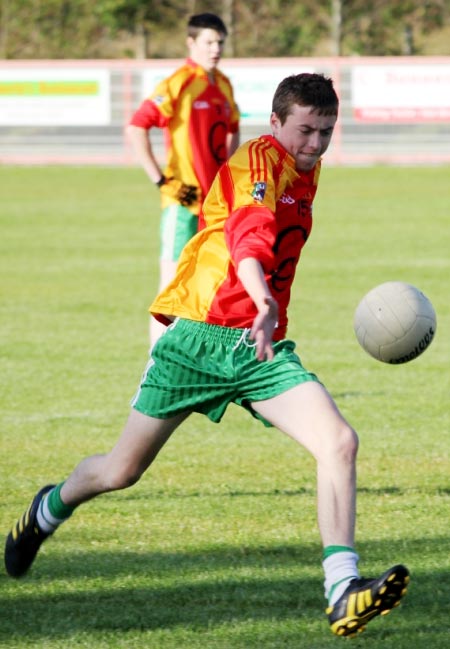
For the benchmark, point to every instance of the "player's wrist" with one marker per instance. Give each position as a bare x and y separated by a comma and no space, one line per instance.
267,305
270,301
272,306
162,181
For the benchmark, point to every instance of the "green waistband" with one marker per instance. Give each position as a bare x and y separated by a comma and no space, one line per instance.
225,335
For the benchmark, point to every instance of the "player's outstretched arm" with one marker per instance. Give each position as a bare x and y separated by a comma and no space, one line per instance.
251,274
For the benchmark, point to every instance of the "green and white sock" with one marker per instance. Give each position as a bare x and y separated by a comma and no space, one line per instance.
340,567
52,511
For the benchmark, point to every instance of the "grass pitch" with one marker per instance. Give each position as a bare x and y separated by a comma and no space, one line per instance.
217,546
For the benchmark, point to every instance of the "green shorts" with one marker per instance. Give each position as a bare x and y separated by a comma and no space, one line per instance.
178,226
198,367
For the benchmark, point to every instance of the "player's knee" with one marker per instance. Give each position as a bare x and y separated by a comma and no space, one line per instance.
350,443
345,444
120,477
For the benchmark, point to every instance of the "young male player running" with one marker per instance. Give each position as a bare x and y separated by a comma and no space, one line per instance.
226,312
196,107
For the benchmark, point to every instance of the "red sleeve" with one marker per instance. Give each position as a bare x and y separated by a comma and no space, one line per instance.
148,115
251,232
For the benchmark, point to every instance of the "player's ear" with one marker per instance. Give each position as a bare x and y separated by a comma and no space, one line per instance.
275,123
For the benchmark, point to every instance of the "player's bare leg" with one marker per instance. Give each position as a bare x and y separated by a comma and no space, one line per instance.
137,447
308,414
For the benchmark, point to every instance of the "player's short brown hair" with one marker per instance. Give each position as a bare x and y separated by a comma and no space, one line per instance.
306,89
205,21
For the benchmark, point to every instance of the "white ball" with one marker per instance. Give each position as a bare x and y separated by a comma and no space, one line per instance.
395,322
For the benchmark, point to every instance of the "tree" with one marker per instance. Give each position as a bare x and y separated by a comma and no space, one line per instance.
38,29
143,19
388,28
59,29
279,27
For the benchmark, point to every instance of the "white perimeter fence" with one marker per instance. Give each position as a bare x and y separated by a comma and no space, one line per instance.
393,110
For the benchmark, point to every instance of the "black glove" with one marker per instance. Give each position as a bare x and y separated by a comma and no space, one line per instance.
184,194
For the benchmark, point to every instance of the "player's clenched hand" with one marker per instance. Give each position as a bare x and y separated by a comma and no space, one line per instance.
184,194
263,327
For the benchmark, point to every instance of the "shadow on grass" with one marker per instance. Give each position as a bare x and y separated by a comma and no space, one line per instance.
124,591
230,493
191,604
245,493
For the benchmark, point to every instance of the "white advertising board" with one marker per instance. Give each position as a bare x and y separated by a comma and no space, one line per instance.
396,93
54,97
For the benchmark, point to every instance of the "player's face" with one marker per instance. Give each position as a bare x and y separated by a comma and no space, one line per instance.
305,135
206,50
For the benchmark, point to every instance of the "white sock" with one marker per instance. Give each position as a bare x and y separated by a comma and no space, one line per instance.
46,521
340,568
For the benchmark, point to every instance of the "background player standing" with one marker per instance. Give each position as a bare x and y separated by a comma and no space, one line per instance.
196,107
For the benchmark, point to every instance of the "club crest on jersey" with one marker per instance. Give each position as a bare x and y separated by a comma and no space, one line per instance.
259,191
158,99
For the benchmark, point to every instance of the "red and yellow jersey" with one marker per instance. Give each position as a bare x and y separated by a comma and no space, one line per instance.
197,116
258,206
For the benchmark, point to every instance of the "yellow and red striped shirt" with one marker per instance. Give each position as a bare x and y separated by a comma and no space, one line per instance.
258,206
197,116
